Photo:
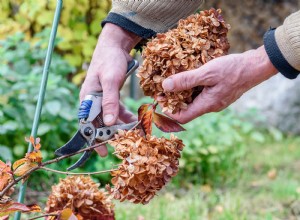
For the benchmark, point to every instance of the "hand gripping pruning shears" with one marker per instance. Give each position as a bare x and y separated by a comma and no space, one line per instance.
92,129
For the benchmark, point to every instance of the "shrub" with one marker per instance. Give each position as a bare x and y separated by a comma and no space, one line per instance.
21,67
79,24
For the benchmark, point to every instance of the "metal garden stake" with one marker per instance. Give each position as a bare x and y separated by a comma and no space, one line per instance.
42,91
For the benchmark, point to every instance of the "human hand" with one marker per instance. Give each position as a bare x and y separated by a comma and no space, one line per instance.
107,72
224,79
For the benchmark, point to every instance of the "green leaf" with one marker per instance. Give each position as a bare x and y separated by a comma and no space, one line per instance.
213,149
276,134
8,126
44,128
53,107
197,142
257,136
19,150
5,153
22,66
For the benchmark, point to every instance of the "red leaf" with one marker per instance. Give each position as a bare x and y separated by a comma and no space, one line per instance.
11,207
34,208
142,110
146,121
166,124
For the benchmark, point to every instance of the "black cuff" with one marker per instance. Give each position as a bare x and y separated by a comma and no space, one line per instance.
128,25
276,56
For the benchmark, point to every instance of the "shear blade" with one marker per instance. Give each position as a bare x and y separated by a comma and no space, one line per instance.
84,157
73,145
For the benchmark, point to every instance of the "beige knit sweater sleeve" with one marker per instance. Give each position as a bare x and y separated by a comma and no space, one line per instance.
288,39
283,46
156,16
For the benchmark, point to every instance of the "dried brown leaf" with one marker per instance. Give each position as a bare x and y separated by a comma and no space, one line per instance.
146,121
142,110
166,124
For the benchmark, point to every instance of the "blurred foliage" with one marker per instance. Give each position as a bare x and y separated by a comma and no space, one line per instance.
79,24
21,67
215,145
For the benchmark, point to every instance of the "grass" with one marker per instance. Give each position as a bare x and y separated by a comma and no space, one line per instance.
268,189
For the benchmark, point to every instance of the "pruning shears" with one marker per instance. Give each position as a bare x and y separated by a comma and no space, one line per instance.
92,129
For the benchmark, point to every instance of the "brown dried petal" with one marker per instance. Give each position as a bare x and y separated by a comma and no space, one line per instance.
157,161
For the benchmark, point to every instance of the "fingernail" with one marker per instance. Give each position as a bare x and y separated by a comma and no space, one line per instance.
108,118
168,84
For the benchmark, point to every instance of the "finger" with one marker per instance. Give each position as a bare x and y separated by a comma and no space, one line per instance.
90,84
111,83
102,150
110,104
125,115
189,79
204,103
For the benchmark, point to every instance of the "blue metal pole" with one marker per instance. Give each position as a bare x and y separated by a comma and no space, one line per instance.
42,92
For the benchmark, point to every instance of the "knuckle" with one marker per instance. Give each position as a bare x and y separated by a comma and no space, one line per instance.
184,82
110,103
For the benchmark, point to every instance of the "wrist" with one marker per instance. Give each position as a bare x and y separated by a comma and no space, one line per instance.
266,65
263,68
115,36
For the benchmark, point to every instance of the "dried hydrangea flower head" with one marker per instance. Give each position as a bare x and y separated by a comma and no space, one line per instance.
83,196
197,40
148,164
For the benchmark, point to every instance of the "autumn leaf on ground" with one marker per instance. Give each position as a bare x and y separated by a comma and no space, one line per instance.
142,110
146,121
166,124
11,207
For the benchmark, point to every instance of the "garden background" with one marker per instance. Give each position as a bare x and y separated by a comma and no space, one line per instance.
234,165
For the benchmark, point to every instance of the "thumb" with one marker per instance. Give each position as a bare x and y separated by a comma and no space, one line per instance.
110,101
186,80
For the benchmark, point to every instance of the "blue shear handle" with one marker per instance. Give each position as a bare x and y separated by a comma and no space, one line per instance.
84,109
85,106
